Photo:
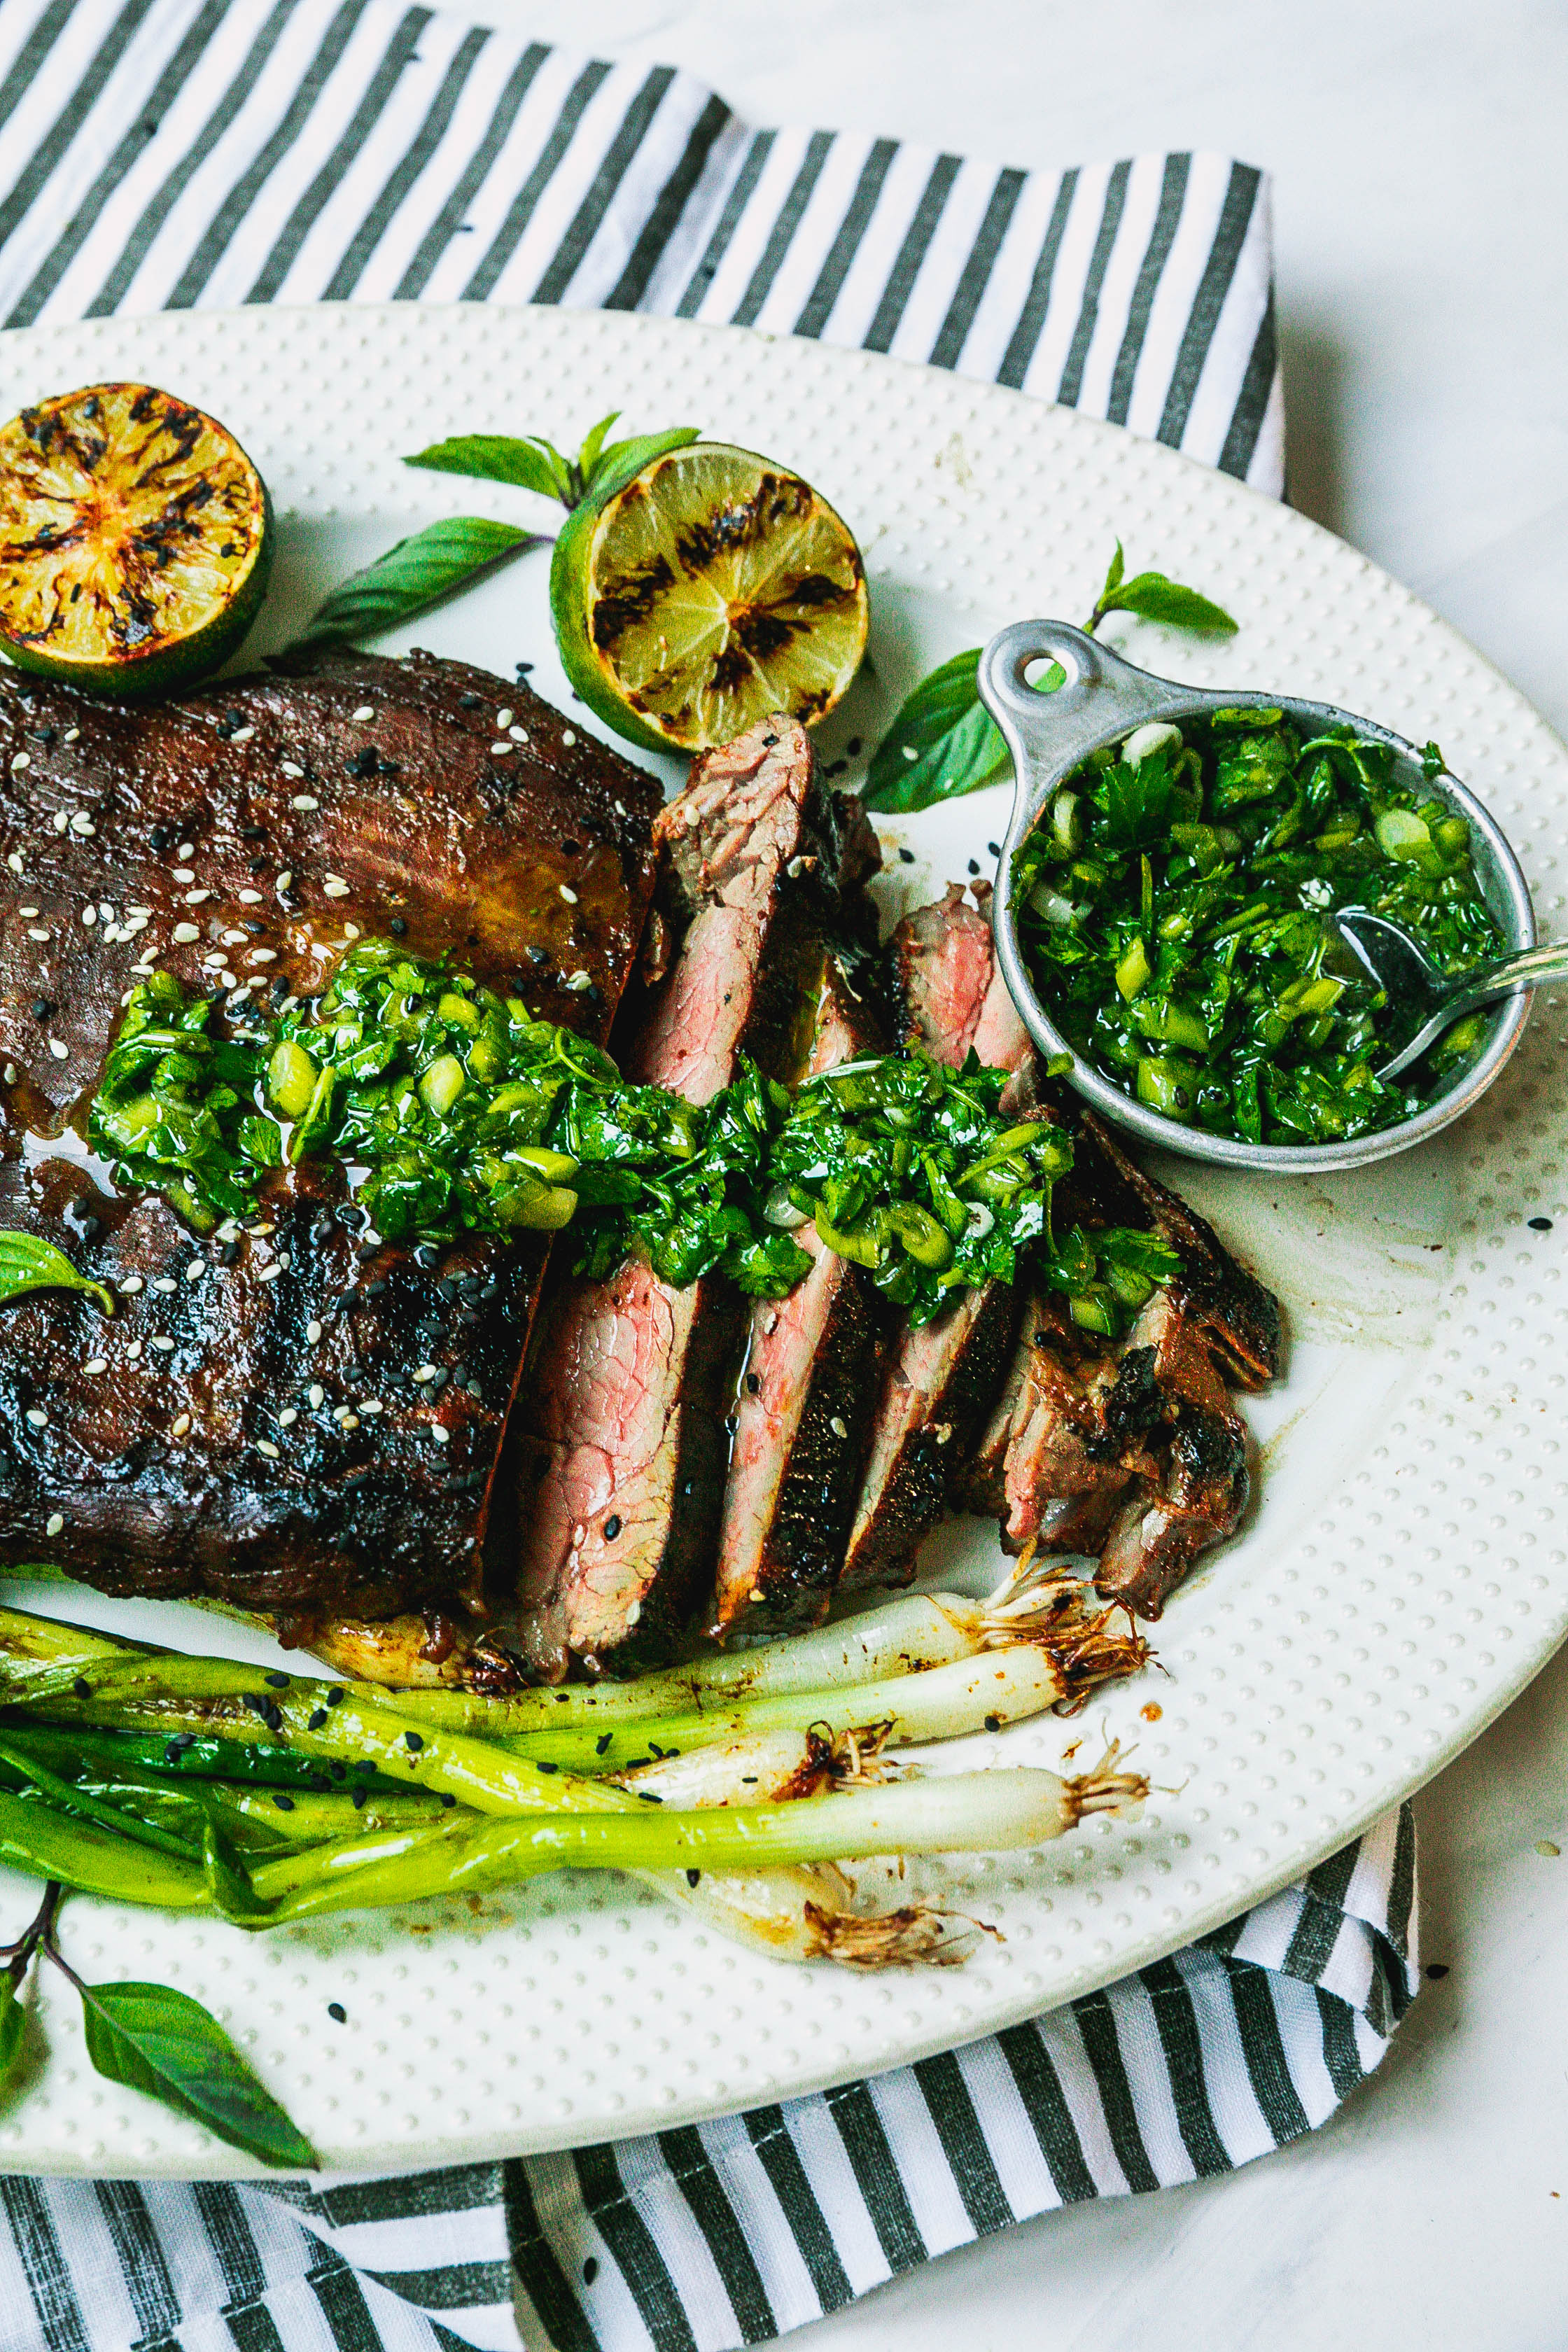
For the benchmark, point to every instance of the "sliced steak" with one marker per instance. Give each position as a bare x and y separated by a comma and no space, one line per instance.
254,828
626,1391
804,1406
941,1378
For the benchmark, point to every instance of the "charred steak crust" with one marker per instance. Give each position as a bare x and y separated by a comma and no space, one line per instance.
302,818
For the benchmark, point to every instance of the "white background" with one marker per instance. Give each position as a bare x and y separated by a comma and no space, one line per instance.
1421,173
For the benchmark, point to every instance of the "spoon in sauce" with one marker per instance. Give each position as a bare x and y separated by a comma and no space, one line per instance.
1422,1003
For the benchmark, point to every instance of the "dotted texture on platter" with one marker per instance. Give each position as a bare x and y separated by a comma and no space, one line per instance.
1321,1667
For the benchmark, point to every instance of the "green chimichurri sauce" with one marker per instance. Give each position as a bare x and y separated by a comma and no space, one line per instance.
1173,902
452,1109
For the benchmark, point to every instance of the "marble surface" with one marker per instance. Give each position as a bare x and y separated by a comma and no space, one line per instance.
1421,191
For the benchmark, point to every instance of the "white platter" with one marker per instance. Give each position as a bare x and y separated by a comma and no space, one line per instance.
1401,1575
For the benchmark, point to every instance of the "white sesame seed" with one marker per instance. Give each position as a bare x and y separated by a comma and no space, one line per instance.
567,737
261,1232
186,849
197,1268
71,735
216,961
183,873
363,715
146,969
442,1436
268,1273
578,983
265,1445
312,1332
163,1344
36,1417
81,823
620,807
61,820
570,895
183,933
250,898
139,914
634,1613
350,930
180,1425
500,751
909,751
242,735
11,1074
503,720
55,1524
317,1395
426,1372
285,882
23,759
130,1286
288,1416
336,877
290,768
304,801
227,1232
133,1351
371,1404
347,1421
337,889
263,955
198,897
14,860
165,1284
59,1049
234,939
98,1364
518,734
89,916
35,934
838,1427
29,914
343,1411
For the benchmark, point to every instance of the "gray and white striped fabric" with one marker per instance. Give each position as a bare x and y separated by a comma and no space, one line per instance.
732,2232
169,154
183,153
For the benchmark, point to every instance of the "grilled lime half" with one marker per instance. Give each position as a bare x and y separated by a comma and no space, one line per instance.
696,594
135,540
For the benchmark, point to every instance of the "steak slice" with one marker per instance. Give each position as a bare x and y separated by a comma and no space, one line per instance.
627,1394
804,1406
942,1377
236,1430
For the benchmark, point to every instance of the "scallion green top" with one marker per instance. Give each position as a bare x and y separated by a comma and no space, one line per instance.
1173,902
451,1108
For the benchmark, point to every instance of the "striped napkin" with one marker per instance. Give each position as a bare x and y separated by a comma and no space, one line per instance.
158,154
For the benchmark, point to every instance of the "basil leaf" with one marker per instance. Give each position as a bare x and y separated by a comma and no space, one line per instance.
941,743
1155,598
413,575
161,2041
593,443
13,2020
530,465
1113,577
28,1264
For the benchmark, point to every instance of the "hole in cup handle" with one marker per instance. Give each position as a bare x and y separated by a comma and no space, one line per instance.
1047,734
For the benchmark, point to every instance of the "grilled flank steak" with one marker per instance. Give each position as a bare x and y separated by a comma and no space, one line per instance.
287,1417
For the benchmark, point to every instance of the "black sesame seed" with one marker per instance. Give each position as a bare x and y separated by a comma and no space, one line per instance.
769,740
612,1526
159,839
974,866
908,856
397,927
1540,1224
83,1687
284,1804
753,1385
648,1798
523,669
276,1682
42,1008
363,763
994,848
336,2010
447,1798
414,1740
359,1796
253,833
992,1723
536,955
570,848
603,1744
545,1766
591,2267
316,1718
1436,1969
692,1876
335,1696
470,702
272,1719
853,747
